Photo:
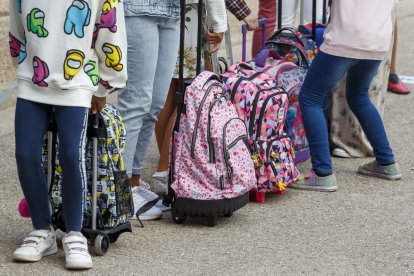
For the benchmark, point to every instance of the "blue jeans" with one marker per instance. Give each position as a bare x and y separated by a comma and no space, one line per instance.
152,54
31,123
324,73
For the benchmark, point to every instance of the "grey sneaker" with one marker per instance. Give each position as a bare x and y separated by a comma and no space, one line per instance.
312,182
390,172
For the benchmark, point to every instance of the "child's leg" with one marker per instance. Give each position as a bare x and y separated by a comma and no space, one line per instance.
167,58
358,82
31,123
163,127
71,123
289,9
323,74
307,11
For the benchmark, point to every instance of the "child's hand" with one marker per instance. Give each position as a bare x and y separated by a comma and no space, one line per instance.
97,104
251,22
215,39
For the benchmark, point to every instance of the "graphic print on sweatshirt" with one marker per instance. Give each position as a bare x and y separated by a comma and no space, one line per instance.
92,71
35,23
73,63
77,47
41,72
17,48
78,16
113,56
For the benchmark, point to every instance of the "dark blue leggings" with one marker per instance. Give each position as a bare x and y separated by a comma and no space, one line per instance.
31,123
324,73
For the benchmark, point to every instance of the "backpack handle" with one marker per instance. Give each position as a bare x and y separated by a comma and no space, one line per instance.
296,34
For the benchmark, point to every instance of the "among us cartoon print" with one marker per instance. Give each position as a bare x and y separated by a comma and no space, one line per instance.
87,33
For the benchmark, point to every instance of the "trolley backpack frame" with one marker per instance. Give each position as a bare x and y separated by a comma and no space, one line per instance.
99,229
209,176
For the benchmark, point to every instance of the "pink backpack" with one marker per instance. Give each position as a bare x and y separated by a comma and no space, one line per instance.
210,155
262,105
290,77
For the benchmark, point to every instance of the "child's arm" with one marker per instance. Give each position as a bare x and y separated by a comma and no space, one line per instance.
217,17
17,39
238,8
111,47
241,11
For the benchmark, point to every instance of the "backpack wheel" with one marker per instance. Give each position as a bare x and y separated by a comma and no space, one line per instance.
101,245
212,221
177,217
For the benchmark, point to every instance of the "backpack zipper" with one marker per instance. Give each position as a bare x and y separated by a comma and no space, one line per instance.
271,143
264,109
229,170
253,112
236,85
211,152
194,138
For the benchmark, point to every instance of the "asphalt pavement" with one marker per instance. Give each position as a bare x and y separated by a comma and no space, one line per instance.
365,228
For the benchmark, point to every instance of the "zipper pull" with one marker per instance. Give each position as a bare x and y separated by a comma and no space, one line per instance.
222,183
229,173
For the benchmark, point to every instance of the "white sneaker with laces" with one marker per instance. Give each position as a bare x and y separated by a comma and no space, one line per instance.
39,243
75,246
144,204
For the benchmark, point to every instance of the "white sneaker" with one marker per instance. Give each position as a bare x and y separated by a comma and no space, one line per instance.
144,204
39,243
75,246
338,152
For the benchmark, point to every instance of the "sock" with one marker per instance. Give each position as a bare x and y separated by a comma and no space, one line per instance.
394,78
161,174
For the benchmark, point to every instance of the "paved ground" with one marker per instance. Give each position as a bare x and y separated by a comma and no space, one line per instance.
365,228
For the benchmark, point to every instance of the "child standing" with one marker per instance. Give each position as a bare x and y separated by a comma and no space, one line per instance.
153,33
66,64
358,53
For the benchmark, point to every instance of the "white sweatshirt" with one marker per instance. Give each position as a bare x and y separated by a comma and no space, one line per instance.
216,14
360,29
67,51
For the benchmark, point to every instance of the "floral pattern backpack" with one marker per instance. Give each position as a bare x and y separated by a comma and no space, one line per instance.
293,46
210,158
262,105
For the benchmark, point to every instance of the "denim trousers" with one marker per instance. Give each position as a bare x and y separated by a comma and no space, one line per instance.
322,76
152,53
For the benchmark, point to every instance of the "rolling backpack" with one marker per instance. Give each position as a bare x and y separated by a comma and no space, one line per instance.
262,105
290,77
211,171
114,197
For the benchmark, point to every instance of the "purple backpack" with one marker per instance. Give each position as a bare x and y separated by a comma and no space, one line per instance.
262,105
210,154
